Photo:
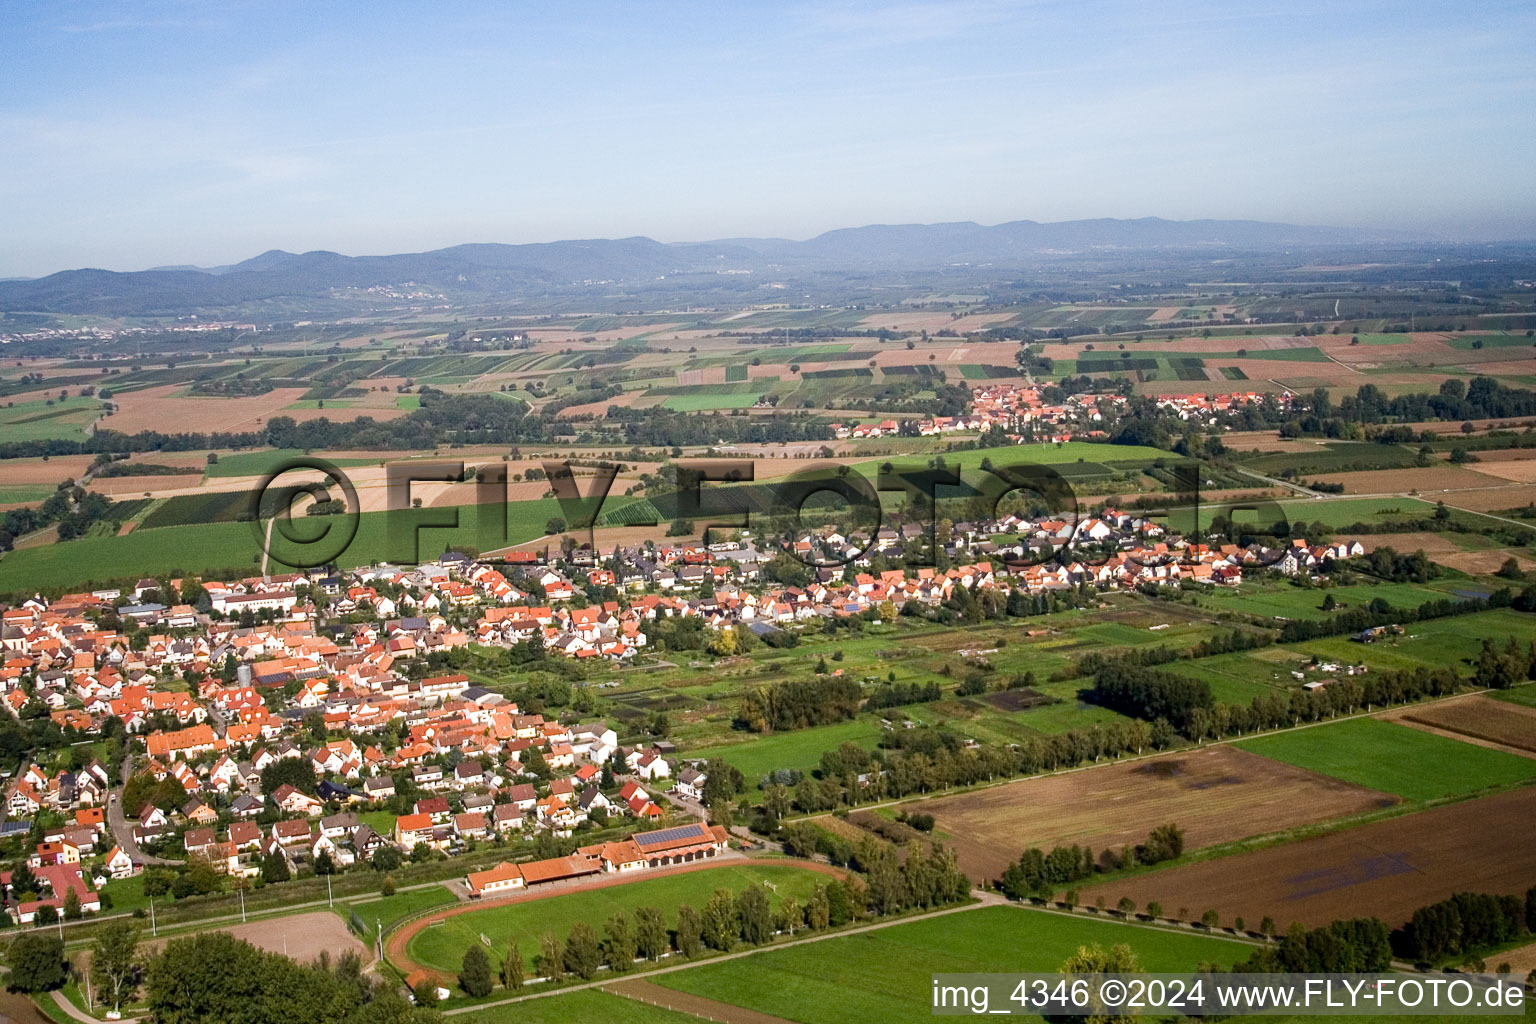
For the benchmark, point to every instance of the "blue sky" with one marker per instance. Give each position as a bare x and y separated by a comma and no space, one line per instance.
189,132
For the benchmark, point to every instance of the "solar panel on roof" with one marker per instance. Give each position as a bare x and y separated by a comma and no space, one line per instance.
669,835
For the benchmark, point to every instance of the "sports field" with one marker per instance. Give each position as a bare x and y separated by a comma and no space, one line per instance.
441,946
883,975
1379,755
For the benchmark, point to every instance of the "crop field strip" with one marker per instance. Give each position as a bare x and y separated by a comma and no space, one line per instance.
1385,869
1393,758
1216,795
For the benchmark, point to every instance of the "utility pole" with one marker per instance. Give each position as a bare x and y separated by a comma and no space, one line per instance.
242,901
328,898
152,929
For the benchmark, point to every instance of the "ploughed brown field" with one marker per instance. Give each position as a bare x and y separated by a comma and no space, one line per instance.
1387,869
1428,478
1215,795
1494,723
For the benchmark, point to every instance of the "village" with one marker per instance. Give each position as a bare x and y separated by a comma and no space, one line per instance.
270,669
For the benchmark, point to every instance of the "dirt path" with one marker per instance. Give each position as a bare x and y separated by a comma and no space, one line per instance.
709,1009
395,945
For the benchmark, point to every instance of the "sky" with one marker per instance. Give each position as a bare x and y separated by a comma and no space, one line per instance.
158,133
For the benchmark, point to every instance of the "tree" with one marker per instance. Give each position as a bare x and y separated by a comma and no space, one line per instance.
756,915
114,962
36,962
157,881
274,868
1210,918
690,931
386,858
512,973
45,916
1094,960
24,882
621,946
650,933
551,962
583,954
722,926
297,772
72,909
425,992
475,972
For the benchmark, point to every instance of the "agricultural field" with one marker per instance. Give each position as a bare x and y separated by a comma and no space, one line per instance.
1391,758
198,547
1480,719
1215,795
1385,869
440,945
1289,601
707,400
47,419
883,975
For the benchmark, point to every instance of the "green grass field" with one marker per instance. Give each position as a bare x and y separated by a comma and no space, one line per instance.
591,1006
883,975
1395,759
259,462
205,546
387,909
1292,602
800,749
1523,695
1032,454
16,494
1335,513
48,420
704,401
442,946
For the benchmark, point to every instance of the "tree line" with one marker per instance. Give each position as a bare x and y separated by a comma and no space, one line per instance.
1464,925
1038,873
726,921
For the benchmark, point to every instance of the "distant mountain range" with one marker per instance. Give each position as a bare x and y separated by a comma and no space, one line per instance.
483,273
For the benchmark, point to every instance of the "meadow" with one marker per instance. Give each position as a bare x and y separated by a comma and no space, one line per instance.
45,420
199,547
800,749
592,1005
883,975
1393,758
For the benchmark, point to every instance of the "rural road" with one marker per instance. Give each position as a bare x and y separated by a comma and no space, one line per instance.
74,1011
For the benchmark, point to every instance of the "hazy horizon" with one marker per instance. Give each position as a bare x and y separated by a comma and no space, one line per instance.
177,134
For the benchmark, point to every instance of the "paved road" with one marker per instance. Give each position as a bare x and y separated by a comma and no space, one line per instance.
122,829
78,1014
